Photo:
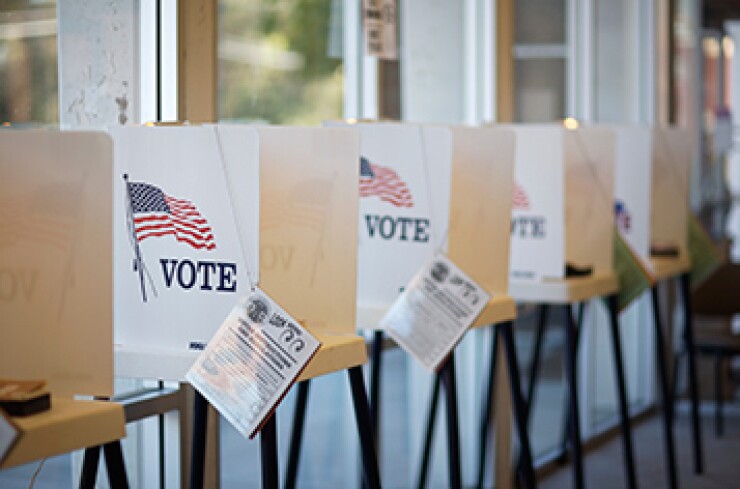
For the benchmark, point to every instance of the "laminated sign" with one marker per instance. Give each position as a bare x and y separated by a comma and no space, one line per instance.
252,361
434,311
184,250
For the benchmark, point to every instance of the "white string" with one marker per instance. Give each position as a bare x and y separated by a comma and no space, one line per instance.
440,241
239,233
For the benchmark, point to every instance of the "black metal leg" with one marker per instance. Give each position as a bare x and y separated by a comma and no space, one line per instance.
115,466
520,409
534,371
572,383
718,422
426,450
90,463
629,462
666,397
486,410
566,419
453,422
162,454
688,334
364,427
296,436
268,453
198,454
375,370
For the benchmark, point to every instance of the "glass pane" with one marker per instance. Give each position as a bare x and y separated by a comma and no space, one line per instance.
540,90
539,22
280,60
28,61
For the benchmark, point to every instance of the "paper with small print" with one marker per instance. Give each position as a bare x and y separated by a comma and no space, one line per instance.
431,315
252,361
8,435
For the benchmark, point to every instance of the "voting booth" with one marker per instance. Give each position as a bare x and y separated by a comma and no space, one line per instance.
481,192
562,214
56,247
308,235
404,192
185,227
651,190
671,166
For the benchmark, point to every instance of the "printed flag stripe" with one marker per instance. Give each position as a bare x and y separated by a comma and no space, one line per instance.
157,214
520,200
384,183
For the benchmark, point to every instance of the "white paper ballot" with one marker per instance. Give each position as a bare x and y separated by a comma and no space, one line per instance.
8,435
433,312
251,362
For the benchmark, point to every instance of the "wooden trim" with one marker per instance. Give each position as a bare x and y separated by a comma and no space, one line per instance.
504,61
197,74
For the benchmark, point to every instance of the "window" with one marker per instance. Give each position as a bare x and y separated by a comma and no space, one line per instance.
28,62
280,61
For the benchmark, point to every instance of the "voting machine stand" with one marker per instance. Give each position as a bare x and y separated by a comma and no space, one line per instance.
315,172
570,173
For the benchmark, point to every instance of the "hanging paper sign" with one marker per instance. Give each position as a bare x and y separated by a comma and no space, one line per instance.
252,361
538,206
379,28
434,311
633,278
705,257
181,253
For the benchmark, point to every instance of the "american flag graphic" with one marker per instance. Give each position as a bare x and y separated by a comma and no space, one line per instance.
157,214
384,183
622,216
520,201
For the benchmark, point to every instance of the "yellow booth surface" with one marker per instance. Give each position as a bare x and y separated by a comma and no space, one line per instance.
663,268
565,291
308,215
69,425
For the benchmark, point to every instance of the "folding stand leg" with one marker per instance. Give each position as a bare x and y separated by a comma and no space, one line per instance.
453,422
364,427
572,382
527,467
117,478
296,436
429,433
665,391
376,356
486,410
198,454
90,463
688,334
268,453
534,371
566,418
629,462
718,422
